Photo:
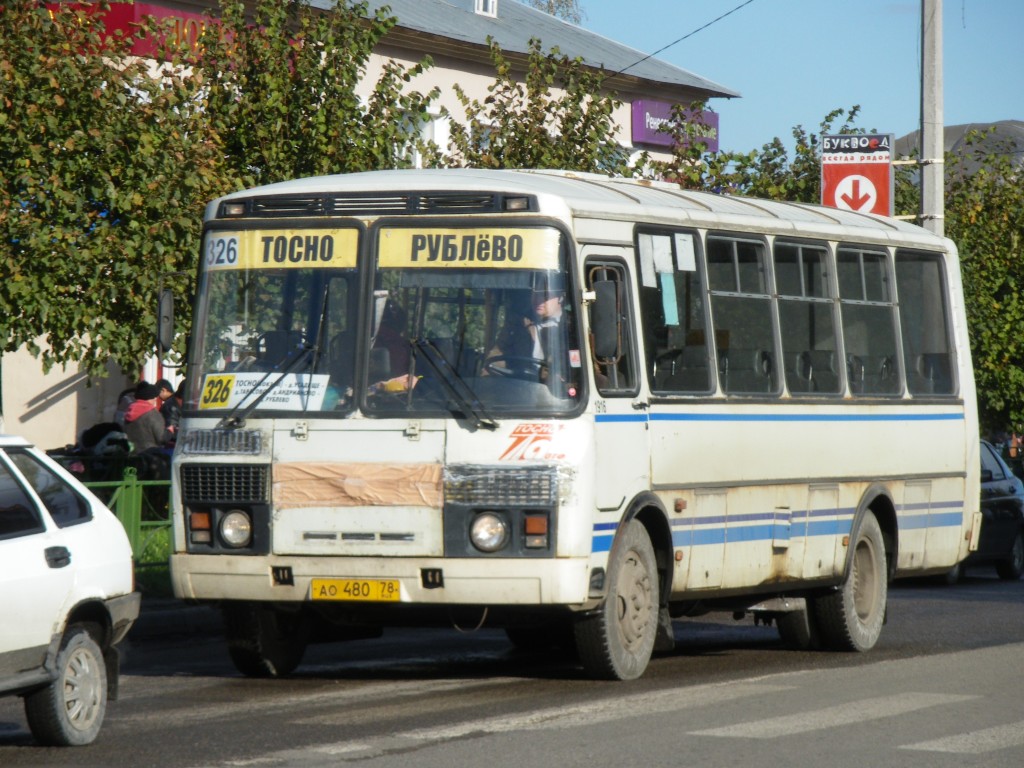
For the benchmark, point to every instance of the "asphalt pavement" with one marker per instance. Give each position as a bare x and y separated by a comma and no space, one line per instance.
166,617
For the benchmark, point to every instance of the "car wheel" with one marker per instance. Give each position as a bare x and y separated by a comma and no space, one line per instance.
69,711
1012,567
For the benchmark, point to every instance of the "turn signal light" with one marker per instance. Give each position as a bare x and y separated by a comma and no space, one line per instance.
535,530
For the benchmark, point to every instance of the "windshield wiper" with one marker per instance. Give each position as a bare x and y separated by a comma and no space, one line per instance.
457,388
236,418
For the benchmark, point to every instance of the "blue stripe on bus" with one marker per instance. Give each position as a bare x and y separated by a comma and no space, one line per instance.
779,526
610,418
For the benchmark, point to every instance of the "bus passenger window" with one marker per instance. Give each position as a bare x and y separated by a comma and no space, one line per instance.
924,324
741,310
806,319
673,317
869,323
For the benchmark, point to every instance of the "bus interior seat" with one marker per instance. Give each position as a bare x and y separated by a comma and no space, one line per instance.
746,371
689,371
930,374
813,370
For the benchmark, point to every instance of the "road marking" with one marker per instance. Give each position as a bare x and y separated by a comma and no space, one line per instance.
975,742
372,693
553,718
830,717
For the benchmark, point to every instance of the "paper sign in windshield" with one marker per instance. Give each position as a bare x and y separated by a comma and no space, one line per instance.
291,392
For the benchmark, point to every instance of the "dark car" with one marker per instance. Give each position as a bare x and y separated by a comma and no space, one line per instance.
1002,526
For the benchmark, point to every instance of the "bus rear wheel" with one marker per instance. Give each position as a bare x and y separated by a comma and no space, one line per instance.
264,641
616,642
851,618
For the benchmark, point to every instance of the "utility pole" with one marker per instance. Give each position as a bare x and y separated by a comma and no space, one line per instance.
932,129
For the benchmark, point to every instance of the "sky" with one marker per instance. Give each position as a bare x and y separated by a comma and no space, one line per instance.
794,61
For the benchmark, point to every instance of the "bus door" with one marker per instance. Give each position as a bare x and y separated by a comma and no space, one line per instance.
622,438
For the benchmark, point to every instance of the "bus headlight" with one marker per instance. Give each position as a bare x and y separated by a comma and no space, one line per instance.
236,529
489,532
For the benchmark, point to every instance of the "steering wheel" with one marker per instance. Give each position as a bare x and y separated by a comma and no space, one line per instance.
515,367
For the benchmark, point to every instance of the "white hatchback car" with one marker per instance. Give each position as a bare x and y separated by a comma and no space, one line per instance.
66,596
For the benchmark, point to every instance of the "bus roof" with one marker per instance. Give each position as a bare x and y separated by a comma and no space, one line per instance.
588,195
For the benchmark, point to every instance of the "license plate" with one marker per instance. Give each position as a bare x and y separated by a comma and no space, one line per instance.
368,590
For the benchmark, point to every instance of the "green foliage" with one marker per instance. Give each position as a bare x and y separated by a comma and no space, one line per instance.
280,92
556,116
96,188
770,173
985,218
105,169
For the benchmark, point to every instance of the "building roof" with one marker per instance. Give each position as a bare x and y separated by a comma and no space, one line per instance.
974,141
516,24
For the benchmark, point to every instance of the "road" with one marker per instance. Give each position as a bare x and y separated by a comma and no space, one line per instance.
942,688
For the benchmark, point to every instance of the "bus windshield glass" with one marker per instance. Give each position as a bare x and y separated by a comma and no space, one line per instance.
277,323
472,320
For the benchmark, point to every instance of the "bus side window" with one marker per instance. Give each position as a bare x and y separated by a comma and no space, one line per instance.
869,321
741,311
806,319
924,324
673,314
610,317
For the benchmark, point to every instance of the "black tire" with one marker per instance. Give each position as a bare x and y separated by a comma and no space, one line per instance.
616,641
851,618
70,710
1012,567
264,641
797,630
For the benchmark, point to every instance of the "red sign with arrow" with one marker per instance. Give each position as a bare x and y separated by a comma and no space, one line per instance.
856,173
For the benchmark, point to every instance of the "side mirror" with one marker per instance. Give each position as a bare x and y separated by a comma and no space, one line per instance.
165,320
604,320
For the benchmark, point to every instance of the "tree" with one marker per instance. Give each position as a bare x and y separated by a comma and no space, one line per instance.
985,218
524,123
563,9
280,91
101,171
105,166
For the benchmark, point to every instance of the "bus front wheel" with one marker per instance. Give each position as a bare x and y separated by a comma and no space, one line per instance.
264,641
616,642
851,618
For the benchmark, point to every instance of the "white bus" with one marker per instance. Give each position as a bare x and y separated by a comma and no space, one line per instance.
570,406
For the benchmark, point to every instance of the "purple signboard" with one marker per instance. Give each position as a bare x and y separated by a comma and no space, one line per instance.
649,115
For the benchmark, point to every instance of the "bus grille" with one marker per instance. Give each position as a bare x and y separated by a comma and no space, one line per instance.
224,483
248,442
499,485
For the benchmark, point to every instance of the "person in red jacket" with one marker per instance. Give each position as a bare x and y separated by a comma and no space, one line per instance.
143,422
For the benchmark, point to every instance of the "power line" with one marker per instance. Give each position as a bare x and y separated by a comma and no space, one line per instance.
684,37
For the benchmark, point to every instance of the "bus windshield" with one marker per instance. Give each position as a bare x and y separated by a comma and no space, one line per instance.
276,329
472,319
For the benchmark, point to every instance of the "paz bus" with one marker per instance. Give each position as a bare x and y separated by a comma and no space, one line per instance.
572,407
